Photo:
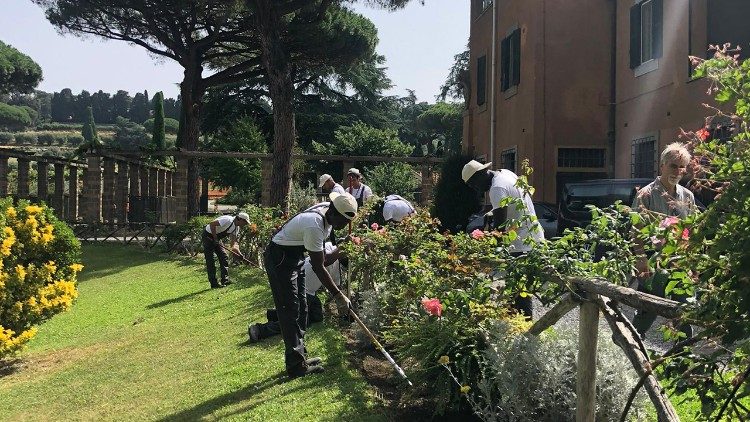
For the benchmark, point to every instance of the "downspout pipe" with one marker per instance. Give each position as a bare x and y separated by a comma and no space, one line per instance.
493,118
611,132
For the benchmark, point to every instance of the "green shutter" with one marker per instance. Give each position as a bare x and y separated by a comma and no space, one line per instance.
635,36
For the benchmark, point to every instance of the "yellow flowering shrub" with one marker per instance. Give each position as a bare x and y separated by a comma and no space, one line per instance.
39,264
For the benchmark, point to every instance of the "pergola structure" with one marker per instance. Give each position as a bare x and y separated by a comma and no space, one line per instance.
116,182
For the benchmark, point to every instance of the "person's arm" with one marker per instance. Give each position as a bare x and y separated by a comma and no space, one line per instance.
317,260
332,257
213,226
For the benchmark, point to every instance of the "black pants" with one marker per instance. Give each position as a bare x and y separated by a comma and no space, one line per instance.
283,265
314,314
656,285
210,247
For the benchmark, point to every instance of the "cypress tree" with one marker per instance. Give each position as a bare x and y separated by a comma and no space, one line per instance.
158,134
89,128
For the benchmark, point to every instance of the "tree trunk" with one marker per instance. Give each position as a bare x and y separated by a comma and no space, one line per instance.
191,93
281,90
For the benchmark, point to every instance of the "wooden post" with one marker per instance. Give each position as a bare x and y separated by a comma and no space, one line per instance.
23,178
266,172
588,333
73,194
4,176
624,338
59,196
42,181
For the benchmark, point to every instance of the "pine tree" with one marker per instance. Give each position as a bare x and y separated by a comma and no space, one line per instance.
89,129
158,134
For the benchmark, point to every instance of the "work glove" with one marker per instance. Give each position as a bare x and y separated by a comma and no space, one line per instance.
342,301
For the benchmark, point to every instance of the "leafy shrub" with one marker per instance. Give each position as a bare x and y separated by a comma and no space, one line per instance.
60,126
129,135
454,201
6,138
13,117
362,139
189,232
238,197
46,138
171,126
26,138
394,178
547,366
255,237
33,114
301,197
40,261
75,140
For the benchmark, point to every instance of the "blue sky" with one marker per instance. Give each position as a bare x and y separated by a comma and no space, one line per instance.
418,42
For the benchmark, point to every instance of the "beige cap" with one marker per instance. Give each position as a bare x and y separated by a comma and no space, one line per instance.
354,172
244,216
472,167
344,203
323,179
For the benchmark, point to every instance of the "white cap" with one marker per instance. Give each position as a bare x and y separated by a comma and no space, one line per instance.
244,216
344,203
323,179
354,172
472,167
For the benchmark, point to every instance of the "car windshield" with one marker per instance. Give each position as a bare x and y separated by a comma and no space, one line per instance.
581,195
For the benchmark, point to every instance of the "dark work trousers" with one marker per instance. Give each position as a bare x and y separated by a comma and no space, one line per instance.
314,314
210,247
656,285
283,265
524,305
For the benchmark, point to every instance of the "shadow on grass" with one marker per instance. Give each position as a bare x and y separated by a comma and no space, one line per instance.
10,366
210,406
174,300
117,258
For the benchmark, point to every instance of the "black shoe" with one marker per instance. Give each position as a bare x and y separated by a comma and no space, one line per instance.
226,282
216,286
271,315
314,361
253,332
309,370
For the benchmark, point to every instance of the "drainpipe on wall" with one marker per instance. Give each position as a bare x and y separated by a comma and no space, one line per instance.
611,133
492,83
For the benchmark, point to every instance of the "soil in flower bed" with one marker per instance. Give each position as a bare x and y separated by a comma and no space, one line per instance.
389,387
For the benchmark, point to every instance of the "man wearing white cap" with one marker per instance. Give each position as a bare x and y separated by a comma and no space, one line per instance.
502,184
356,188
283,259
328,185
223,226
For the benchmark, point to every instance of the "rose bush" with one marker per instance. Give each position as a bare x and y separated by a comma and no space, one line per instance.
39,263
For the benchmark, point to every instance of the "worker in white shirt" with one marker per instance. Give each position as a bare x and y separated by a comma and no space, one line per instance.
213,233
328,185
283,259
391,209
356,188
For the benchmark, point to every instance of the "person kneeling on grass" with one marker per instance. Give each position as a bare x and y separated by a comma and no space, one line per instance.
283,260
313,312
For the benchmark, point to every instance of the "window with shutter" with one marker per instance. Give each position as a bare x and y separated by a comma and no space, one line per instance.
481,80
646,32
510,60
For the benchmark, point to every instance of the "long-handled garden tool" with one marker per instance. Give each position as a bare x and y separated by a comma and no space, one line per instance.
380,347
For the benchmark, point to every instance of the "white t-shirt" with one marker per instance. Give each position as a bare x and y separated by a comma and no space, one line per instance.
308,228
396,208
338,188
225,223
363,190
503,186
312,282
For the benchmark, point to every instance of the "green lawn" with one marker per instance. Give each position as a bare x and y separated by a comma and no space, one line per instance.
147,340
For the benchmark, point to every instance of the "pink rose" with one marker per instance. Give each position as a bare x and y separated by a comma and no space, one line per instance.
669,221
375,226
356,240
477,234
432,306
685,234
656,241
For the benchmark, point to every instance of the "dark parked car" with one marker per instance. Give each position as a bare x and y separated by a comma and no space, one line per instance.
545,213
602,193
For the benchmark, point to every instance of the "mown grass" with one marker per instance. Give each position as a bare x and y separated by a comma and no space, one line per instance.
146,340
